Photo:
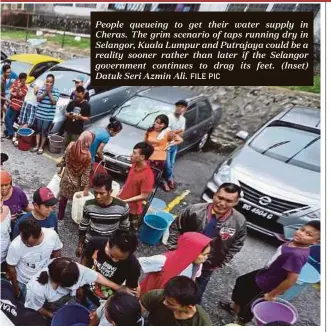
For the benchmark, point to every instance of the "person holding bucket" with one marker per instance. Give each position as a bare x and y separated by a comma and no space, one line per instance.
192,251
77,163
57,283
47,98
279,275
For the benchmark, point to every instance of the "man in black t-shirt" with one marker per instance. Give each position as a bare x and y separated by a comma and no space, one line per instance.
114,258
79,81
78,111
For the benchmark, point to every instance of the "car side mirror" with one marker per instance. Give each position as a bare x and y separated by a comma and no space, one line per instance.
91,92
242,134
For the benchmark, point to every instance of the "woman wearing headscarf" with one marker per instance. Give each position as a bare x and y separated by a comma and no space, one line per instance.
77,162
192,251
5,233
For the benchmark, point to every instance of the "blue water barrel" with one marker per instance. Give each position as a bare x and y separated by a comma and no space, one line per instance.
153,228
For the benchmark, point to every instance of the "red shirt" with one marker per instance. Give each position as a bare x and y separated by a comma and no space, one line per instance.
138,182
17,101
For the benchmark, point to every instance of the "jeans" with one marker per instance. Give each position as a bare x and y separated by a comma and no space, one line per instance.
22,288
171,158
10,118
202,282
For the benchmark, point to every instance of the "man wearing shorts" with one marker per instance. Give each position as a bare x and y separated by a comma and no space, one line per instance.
47,97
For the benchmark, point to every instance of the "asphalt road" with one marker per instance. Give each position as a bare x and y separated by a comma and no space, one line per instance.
192,171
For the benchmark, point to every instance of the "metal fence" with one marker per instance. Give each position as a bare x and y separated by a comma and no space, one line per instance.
62,26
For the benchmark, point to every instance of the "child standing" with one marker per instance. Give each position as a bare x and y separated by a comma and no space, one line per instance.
279,275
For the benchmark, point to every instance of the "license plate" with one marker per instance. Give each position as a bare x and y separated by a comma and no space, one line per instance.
257,211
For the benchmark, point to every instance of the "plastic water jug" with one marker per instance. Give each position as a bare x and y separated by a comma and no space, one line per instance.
78,203
54,185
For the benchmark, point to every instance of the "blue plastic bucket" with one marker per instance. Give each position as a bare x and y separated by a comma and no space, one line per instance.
315,257
153,228
308,276
71,315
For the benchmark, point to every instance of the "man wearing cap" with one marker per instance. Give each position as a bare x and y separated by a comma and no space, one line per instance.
78,112
31,251
79,81
13,197
177,123
43,203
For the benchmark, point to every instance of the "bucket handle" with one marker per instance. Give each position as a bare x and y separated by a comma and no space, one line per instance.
280,300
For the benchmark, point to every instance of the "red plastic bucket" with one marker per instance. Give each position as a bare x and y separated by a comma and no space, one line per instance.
25,138
270,311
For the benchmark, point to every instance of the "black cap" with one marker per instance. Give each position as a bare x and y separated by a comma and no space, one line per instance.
44,196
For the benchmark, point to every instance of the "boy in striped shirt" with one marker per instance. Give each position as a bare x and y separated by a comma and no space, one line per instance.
47,97
18,91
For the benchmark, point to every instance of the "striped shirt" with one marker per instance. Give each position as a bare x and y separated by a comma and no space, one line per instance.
16,101
103,221
45,109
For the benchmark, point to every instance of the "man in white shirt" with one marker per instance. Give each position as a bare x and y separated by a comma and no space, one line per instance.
177,123
30,252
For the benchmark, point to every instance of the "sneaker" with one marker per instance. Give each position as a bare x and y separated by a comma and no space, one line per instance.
35,149
171,184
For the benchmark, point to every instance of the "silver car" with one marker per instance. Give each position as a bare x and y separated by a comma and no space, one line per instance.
278,169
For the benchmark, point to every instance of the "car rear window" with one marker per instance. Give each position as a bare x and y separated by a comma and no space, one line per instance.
290,145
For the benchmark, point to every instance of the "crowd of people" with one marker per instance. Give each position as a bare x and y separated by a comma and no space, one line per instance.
107,277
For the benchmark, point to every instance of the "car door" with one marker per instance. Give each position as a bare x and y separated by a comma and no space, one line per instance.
190,133
205,118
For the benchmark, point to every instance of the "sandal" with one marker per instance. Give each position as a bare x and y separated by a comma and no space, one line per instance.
227,307
40,151
35,149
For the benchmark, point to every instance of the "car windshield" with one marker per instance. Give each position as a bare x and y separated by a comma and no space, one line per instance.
141,111
63,79
294,146
20,67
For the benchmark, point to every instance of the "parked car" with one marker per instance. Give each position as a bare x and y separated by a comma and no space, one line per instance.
102,100
32,64
139,112
278,169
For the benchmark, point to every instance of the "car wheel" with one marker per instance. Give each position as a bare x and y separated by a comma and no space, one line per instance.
202,143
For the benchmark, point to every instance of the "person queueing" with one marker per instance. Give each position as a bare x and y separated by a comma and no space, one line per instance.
114,258
121,309
47,98
18,91
43,206
102,137
5,234
279,274
29,252
159,136
175,305
192,251
5,74
177,124
139,182
77,162
14,197
27,114
219,221
58,283
103,215
78,112
79,81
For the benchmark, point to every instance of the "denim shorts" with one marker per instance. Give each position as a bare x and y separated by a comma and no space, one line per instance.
42,127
